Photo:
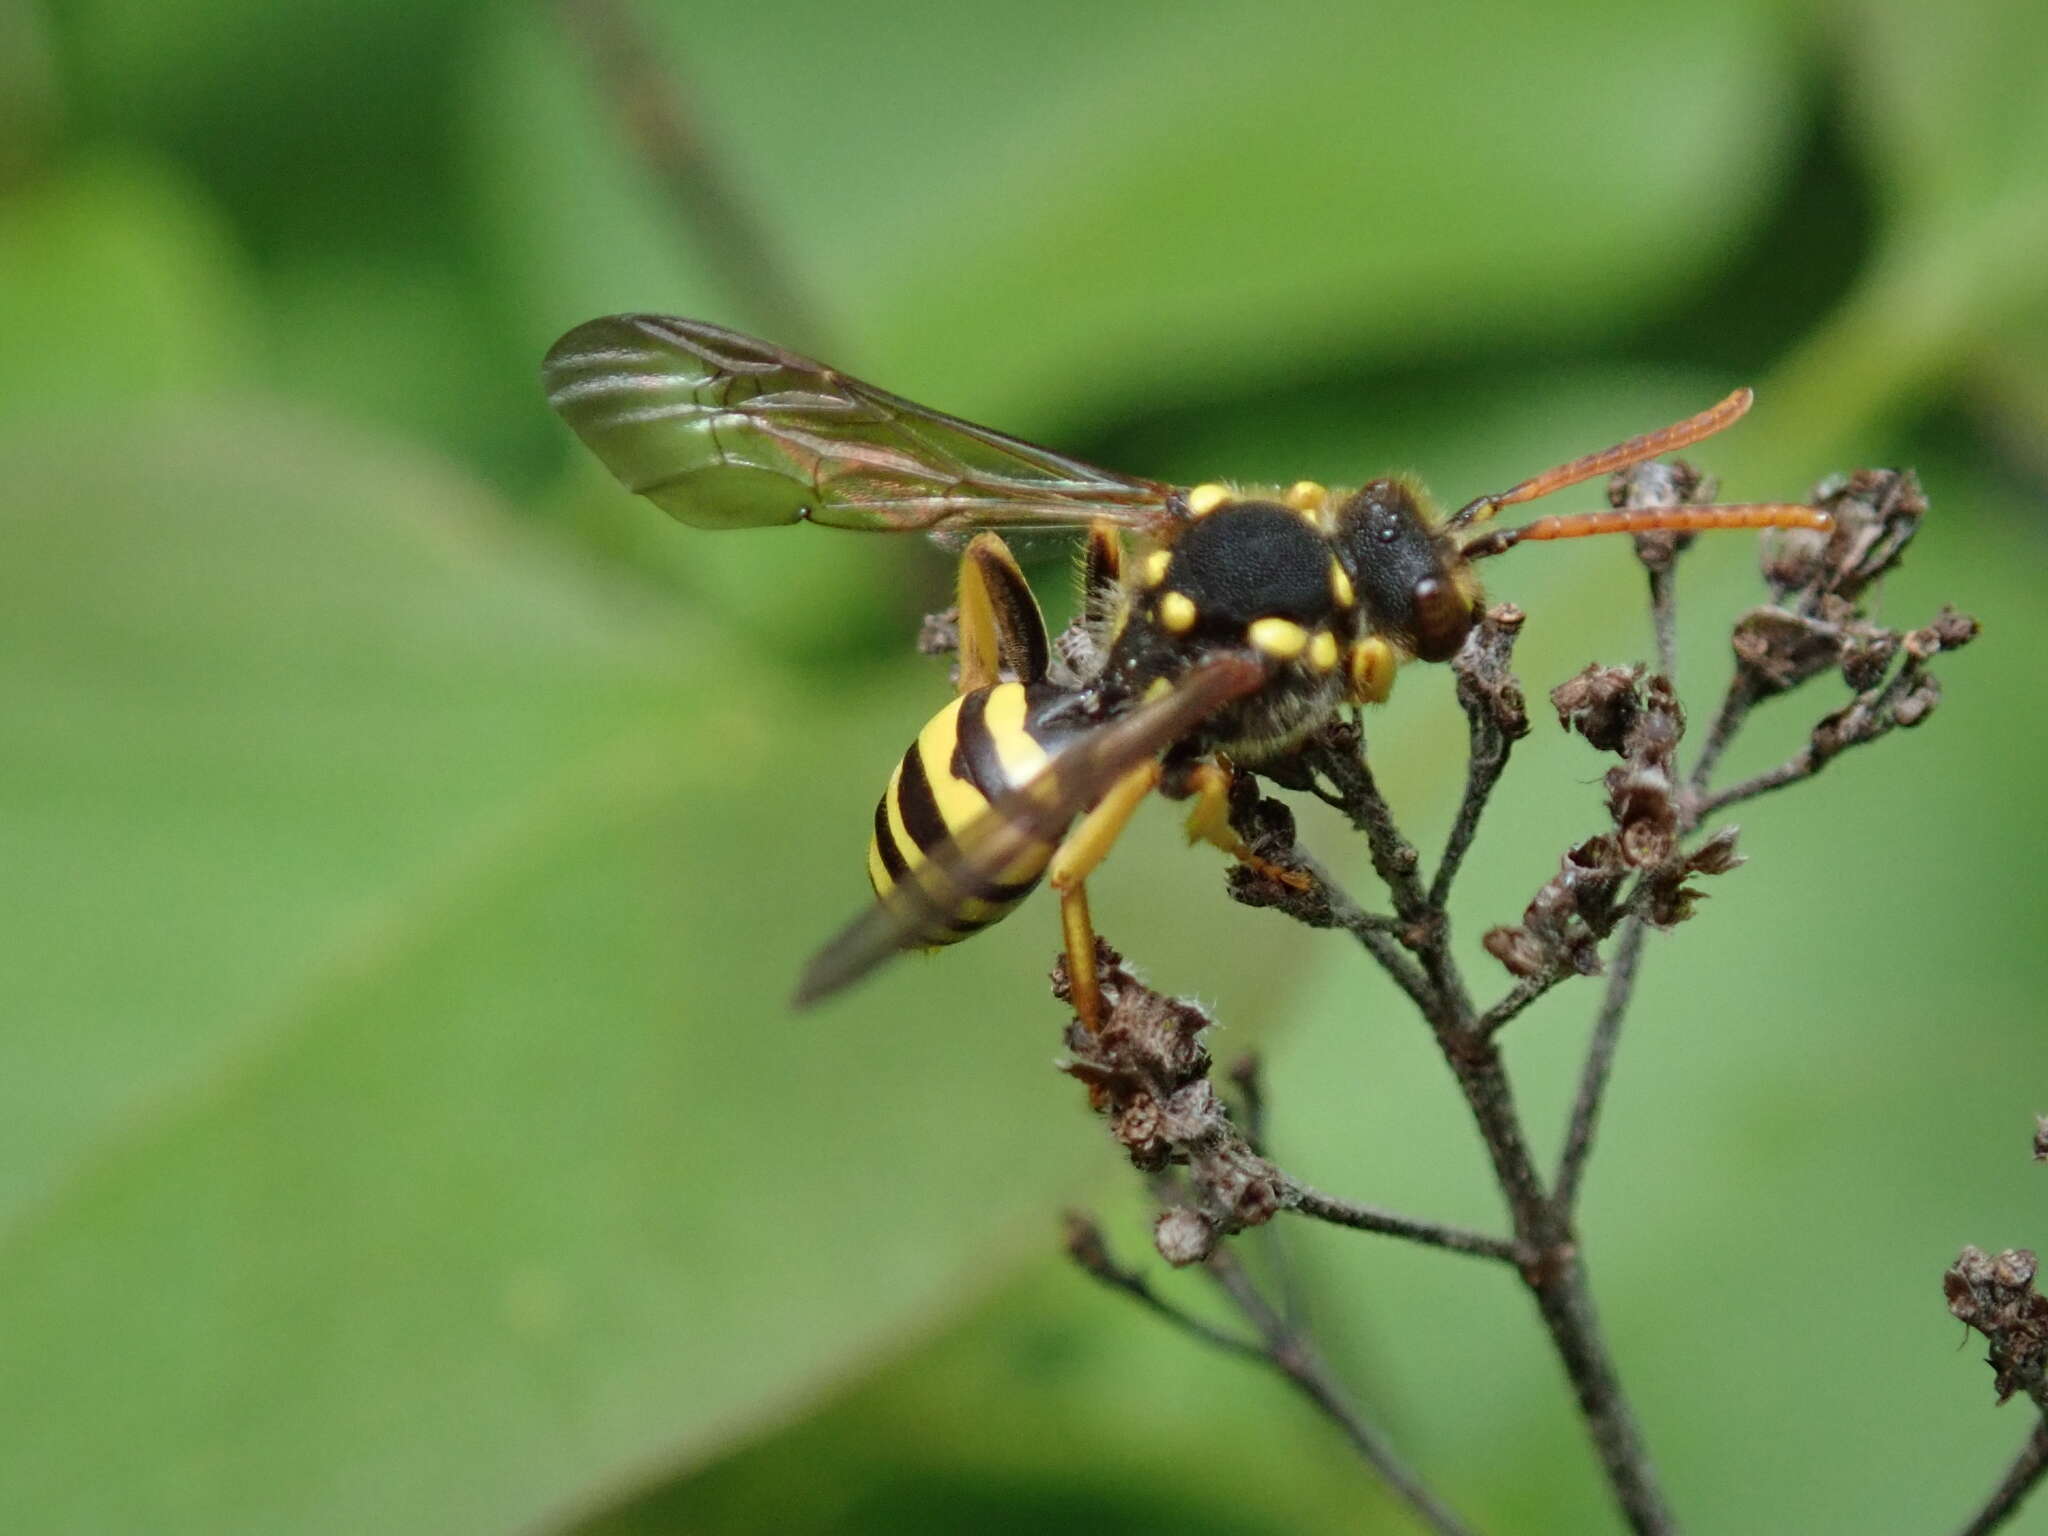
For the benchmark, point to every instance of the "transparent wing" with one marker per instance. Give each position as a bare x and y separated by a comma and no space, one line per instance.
1037,812
723,431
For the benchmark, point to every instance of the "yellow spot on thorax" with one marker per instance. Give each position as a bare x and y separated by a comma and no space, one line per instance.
1312,500
1340,585
1156,565
1281,639
1177,613
1322,651
1207,497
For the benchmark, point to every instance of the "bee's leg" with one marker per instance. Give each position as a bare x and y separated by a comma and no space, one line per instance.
1073,861
1209,822
1369,670
1001,630
1102,572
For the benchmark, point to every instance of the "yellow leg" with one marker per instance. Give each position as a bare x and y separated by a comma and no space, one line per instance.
1075,859
1001,629
1209,822
1370,670
1102,570
1079,932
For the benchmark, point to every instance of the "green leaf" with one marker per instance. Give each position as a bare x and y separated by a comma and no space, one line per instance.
1947,107
400,1124
30,101
119,281
1009,214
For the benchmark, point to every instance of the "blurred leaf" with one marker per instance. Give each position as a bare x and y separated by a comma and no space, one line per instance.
319,123
1101,1412
118,282
402,1128
1042,212
30,104
1948,107
401,338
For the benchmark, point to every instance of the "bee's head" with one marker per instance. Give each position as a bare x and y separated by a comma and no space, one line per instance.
1416,587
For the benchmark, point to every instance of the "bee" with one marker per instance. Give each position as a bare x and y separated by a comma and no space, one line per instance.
1221,625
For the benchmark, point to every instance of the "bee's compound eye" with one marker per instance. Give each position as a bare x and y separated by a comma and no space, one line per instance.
1443,617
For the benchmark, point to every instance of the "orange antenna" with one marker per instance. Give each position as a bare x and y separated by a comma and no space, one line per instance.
1682,434
1758,514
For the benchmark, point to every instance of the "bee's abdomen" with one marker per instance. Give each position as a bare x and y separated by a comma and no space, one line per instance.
973,751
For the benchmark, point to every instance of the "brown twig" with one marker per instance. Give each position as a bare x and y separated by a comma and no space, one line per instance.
1599,1063
1338,754
1370,1218
1905,699
1520,996
1544,1247
2026,1470
1496,719
1088,1249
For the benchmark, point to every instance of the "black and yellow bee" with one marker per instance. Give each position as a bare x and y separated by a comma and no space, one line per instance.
1241,621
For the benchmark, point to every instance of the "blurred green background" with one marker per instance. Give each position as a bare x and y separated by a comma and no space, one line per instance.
408,839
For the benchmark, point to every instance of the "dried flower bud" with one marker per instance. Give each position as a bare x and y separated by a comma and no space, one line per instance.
1867,654
1645,814
1781,650
1486,687
1134,1120
1658,483
1601,704
1918,702
1183,1236
1148,1074
1256,1202
2041,1138
2014,1268
1793,559
1996,1296
1658,727
1516,949
1953,629
1717,855
1668,900
1877,512
1562,927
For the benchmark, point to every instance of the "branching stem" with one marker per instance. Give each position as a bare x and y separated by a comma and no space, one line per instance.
1599,1064
1370,1218
1815,626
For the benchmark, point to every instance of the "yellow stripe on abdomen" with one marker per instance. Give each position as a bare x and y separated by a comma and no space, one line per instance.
929,801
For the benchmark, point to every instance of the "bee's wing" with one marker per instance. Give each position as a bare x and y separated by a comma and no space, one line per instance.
723,431
1039,811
